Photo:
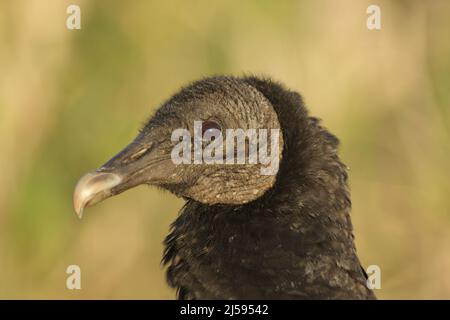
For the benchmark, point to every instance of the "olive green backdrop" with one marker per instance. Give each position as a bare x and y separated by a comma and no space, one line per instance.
70,99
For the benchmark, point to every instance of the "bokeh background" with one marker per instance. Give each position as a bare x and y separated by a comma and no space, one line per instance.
70,99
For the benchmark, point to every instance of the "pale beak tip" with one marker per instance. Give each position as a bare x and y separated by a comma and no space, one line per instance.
80,213
78,206
93,187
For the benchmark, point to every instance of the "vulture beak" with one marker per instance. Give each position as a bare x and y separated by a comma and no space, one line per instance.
92,188
141,162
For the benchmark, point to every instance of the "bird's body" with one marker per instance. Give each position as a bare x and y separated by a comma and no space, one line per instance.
295,242
241,235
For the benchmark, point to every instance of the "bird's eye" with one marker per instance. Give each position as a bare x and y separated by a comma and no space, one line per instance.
209,126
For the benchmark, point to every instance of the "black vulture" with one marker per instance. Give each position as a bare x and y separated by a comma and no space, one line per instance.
242,234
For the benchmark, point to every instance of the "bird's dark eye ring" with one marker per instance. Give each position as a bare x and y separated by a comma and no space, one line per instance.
209,125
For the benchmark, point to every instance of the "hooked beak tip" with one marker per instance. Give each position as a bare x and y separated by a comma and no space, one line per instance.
79,213
92,188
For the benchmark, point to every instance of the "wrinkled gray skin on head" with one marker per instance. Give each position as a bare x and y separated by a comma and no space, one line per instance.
233,104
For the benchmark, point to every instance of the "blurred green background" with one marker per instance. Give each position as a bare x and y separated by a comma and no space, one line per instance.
70,99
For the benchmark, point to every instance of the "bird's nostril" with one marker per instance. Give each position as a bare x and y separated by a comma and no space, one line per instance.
138,154
135,156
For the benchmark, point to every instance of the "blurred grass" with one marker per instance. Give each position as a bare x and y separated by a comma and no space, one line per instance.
71,99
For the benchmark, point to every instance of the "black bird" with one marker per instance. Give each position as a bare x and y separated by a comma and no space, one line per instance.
243,234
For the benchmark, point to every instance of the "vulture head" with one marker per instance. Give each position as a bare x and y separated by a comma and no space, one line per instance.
218,112
267,203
